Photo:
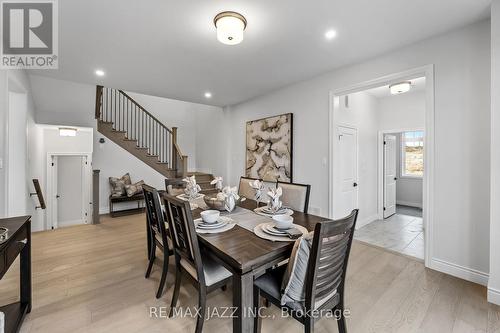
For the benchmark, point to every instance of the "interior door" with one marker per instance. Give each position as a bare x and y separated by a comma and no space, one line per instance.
70,190
390,177
347,163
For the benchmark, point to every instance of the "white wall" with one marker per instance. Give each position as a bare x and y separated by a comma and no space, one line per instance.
462,138
19,162
494,281
199,130
362,114
397,112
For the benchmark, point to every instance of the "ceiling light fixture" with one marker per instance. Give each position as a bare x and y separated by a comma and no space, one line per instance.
330,34
208,94
400,88
67,131
99,72
230,27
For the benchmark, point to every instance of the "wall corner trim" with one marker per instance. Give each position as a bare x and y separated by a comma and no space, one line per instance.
494,296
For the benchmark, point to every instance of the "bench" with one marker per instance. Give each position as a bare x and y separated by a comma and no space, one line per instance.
136,197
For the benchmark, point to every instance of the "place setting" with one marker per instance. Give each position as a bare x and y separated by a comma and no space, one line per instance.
212,222
281,228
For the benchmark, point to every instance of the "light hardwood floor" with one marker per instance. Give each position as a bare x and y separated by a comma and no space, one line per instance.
91,279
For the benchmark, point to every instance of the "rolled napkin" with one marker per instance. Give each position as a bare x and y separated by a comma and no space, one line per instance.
230,196
192,189
275,202
258,186
217,181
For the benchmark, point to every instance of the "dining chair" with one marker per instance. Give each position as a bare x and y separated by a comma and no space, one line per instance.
203,270
157,233
245,190
324,283
174,186
295,196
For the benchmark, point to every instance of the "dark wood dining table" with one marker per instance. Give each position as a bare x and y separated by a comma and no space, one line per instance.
247,256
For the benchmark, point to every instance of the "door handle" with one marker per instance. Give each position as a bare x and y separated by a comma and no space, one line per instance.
57,196
355,185
395,178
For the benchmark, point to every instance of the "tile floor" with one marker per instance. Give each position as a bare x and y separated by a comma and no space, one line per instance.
399,233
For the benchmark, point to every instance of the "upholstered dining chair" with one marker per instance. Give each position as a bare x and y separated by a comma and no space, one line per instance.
245,190
295,196
322,281
157,233
206,274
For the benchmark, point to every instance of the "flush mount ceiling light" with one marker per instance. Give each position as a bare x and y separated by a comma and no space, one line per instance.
400,88
230,27
67,131
330,34
99,72
208,94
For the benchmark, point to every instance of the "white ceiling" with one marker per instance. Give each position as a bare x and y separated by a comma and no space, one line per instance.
417,85
169,48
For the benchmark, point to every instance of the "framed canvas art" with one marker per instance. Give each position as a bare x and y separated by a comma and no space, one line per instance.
269,147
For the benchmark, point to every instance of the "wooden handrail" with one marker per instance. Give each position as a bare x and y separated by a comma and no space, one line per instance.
39,194
179,152
144,110
98,96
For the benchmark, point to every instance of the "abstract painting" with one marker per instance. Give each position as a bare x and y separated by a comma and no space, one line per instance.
269,148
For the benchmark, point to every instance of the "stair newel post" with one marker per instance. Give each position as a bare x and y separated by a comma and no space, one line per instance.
174,142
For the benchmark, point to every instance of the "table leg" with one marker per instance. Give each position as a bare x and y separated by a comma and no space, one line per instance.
25,270
243,302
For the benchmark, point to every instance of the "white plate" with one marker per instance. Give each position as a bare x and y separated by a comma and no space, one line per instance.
272,229
272,233
260,211
268,210
211,225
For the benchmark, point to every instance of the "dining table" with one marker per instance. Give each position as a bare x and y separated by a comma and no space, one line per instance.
248,256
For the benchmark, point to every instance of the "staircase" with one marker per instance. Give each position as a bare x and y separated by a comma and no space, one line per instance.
129,125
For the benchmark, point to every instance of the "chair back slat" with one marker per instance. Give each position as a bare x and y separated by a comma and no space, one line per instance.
329,257
154,215
184,238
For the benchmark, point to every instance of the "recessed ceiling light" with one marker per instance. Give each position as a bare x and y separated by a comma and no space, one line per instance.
399,88
208,94
99,72
330,34
230,27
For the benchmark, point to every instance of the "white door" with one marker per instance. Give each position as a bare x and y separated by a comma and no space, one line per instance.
390,170
70,190
347,163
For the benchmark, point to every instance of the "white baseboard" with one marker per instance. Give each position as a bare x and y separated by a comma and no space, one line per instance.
366,220
69,223
494,296
464,273
411,204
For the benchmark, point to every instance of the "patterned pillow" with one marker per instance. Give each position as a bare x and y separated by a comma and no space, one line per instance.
118,185
134,188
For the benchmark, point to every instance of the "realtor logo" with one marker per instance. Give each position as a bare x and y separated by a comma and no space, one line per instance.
29,34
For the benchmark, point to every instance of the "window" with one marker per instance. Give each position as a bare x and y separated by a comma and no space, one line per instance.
412,154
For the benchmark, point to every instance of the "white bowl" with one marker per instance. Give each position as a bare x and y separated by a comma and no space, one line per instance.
283,221
210,216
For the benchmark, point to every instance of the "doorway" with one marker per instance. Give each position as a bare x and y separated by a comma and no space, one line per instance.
379,165
347,146
69,191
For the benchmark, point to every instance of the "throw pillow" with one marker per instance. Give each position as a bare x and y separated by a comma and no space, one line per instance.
293,285
134,188
118,185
